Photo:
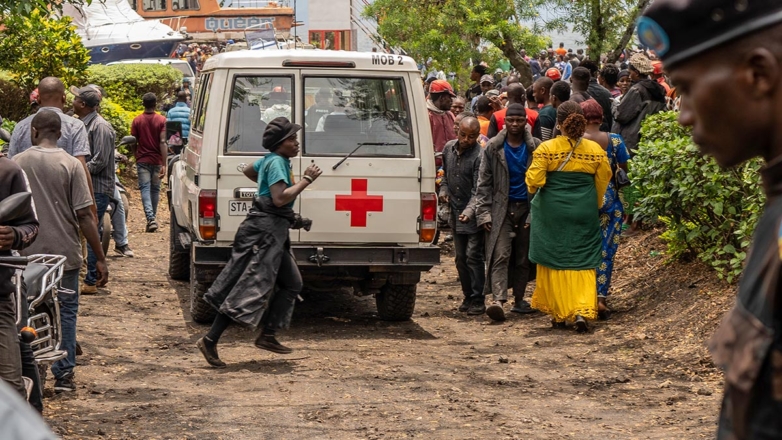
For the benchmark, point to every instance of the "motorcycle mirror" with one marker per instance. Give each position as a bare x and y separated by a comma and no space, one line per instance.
128,140
15,206
4,134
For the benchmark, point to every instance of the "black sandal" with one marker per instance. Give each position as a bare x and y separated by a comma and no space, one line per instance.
603,314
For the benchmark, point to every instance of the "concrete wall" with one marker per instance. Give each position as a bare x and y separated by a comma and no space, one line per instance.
330,15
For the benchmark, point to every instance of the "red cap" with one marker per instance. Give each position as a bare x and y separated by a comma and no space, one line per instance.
440,86
658,67
34,97
554,74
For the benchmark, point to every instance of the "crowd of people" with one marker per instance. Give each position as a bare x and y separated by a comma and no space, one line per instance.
533,179
197,54
68,164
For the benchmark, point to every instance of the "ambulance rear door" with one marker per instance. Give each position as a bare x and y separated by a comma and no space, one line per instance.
359,131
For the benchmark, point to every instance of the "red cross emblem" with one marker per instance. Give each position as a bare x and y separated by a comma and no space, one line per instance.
359,203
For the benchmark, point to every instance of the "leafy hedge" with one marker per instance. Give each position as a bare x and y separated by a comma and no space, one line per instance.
709,212
119,118
14,101
125,84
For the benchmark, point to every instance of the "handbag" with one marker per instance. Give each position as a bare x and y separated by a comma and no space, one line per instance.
621,179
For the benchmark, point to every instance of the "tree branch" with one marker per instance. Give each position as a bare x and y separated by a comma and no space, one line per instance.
516,60
617,52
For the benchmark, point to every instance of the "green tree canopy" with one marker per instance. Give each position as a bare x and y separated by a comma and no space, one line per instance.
451,32
24,8
607,25
36,46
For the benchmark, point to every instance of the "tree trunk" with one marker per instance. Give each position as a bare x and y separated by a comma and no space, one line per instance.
598,32
617,52
519,63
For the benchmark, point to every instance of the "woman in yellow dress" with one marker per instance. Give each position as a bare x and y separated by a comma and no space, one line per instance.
569,176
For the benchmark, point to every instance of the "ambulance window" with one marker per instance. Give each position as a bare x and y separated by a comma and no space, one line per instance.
343,112
200,97
206,82
255,101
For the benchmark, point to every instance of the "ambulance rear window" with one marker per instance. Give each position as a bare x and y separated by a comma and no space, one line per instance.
255,101
345,112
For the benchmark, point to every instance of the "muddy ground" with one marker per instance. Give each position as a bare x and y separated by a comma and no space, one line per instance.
644,374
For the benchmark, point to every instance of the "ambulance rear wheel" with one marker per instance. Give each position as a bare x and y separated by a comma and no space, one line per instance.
178,255
200,310
396,302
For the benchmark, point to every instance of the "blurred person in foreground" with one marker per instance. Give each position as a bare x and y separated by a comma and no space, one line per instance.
721,51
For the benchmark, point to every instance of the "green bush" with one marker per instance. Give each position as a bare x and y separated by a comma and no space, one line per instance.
8,125
709,212
37,46
125,84
14,101
119,118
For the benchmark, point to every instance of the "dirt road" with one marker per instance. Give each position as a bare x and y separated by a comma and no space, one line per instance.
442,375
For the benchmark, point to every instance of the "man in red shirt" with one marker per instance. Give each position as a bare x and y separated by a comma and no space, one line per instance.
150,151
517,94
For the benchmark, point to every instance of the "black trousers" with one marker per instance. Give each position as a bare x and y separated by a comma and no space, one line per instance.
469,249
289,285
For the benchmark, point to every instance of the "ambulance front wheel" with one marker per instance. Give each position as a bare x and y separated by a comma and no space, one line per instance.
396,302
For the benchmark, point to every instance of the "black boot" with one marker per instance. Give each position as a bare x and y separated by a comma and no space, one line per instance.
521,306
209,350
465,304
477,307
269,342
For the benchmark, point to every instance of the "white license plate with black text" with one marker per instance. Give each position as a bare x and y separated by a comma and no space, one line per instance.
239,207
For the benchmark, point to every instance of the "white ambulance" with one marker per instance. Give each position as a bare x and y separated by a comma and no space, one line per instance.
365,125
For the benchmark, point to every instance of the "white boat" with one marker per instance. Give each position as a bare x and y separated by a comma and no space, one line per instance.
111,30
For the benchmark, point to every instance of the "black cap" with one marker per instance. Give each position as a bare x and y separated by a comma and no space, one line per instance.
88,94
516,110
277,131
680,29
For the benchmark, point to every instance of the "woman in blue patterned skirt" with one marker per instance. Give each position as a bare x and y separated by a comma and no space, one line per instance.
612,211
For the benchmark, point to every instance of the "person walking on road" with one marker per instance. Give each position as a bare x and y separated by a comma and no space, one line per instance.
101,137
180,112
440,117
461,165
51,95
150,151
737,61
569,176
502,209
261,281
63,203
612,211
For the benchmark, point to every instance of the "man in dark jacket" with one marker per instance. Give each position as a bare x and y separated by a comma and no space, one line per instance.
645,97
461,164
16,235
739,61
599,94
502,208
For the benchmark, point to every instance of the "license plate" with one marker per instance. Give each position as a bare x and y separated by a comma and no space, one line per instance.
239,207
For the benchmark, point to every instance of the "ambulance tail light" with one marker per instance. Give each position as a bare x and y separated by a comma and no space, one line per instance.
428,223
207,214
